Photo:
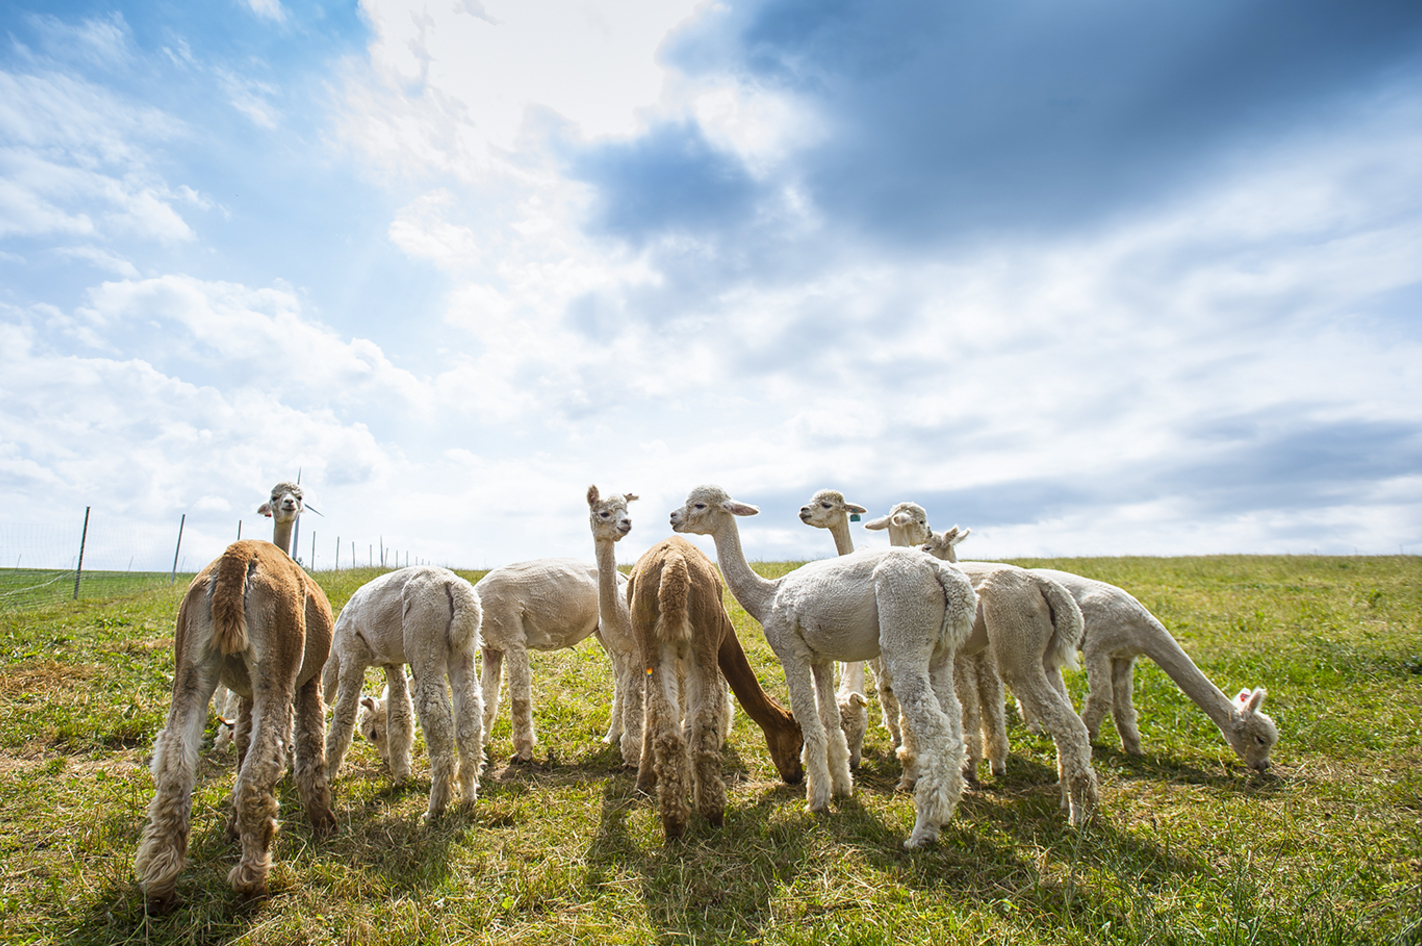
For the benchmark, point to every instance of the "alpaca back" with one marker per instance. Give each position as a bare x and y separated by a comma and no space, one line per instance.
434,596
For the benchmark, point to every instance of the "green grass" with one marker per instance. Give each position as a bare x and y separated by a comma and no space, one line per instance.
1189,847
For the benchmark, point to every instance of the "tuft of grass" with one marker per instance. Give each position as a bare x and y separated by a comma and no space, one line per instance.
1188,847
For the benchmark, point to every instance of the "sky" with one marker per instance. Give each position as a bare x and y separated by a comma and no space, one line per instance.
1101,278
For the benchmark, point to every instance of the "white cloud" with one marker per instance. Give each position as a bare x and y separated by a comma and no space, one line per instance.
268,9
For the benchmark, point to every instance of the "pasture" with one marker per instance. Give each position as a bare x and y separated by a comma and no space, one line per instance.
1188,846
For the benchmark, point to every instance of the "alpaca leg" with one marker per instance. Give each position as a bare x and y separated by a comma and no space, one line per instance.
1099,695
939,743
613,736
632,713
646,764
805,708
888,703
1078,779
399,721
437,722
1123,707
343,720
727,699
309,734
664,730
965,682
163,850
521,703
242,740
468,722
491,675
254,796
707,709
992,700
836,746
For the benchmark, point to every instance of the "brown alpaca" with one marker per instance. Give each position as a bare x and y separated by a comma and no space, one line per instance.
683,631
254,620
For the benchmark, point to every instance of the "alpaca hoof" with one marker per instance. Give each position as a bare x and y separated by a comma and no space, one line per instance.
921,838
999,771
160,904
517,759
323,824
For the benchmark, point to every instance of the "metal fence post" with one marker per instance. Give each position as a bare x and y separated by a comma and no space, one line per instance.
181,522
79,569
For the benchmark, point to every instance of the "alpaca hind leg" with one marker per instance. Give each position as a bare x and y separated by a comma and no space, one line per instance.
664,731
1123,707
491,674
1099,695
836,745
632,711
254,796
437,722
309,725
468,723
707,708
939,785
888,703
399,721
992,700
521,703
343,719
242,740
163,849
965,682
1077,778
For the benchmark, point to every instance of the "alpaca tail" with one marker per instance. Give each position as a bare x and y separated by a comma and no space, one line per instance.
229,598
1068,626
960,603
466,615
673,595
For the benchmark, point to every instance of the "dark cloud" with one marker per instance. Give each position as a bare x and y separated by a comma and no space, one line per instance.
953,120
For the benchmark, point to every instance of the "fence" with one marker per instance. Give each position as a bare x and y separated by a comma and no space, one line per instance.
42,563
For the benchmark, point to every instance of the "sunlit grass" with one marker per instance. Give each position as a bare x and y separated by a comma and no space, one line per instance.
1189,846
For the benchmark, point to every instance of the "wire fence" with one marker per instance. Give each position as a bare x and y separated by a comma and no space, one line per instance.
99,556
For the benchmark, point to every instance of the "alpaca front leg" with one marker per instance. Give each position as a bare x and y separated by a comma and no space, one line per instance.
814,755
163,849
399,721
613,736
343,720
1099,696
310,768
992,701
888,703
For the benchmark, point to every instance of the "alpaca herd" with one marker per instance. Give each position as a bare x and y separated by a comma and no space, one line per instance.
944,640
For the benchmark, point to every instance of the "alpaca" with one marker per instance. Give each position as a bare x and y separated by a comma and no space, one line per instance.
683,636
428,617
225,704
609,522
1118,630
254,620
908,608
1032,626
544,604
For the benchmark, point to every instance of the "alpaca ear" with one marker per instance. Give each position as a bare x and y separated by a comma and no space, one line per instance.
629,497
857,699
1252,701
265,509
856,509
592,495
961,535
877,524
739,509
368,703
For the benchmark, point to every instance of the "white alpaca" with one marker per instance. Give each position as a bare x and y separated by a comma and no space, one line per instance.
1118,630
1032,625
427,617
897,604
609,522
258,623
225,705
544,604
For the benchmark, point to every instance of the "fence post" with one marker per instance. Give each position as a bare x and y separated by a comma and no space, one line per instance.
172,579
79,569
338,553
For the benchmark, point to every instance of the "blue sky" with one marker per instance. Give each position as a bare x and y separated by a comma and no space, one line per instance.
1093,279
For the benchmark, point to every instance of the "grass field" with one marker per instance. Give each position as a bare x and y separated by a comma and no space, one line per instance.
1188,847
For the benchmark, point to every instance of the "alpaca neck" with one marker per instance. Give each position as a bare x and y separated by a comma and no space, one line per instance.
610,607
1177,665
281,534
769,715
843,541
755,593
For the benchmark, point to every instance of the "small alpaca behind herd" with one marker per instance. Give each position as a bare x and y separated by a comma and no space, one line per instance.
942,638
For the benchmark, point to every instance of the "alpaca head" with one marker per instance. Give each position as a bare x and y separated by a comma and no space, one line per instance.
827,509
1251,734
907,524
854,720
944,544
608,517
372,725
707,508
285,504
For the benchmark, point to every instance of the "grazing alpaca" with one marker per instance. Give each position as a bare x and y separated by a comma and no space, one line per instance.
544,604
907,608
428,617
1032,626
256,621
683,635
1118,630
225,704
609,522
